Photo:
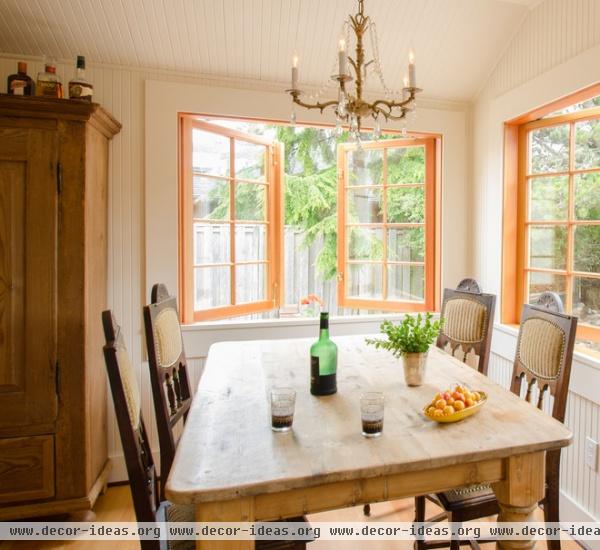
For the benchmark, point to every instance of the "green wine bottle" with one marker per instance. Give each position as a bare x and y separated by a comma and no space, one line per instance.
323,361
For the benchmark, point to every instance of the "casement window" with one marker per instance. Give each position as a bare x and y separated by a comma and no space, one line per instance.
556,213
228,236
387,225
241,251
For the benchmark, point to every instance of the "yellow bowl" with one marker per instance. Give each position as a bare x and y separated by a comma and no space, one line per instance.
459,415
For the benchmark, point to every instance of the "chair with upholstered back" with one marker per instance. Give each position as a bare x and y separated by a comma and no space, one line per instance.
468,321
168,373
468,316
542,366
134,438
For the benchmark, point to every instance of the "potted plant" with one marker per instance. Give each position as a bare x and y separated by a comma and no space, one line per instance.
411,340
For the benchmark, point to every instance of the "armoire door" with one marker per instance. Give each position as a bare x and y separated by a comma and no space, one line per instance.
28,229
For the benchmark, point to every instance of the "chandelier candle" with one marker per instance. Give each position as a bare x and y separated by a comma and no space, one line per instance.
342,62
323,361
295,72
412,79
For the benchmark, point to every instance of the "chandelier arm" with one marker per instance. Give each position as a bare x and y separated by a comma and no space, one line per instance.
392,104
398,117
318,105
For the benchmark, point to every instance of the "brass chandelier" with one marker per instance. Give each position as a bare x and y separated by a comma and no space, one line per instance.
350,107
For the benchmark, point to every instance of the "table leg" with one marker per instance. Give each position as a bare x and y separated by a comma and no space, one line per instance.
231,510
519,493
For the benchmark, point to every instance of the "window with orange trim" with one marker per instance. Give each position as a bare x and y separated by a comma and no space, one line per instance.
387,225
245,251
552,211
229,230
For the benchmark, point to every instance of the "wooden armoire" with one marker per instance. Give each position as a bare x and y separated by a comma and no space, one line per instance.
53,277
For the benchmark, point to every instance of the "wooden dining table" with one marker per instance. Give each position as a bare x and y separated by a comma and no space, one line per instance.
232,467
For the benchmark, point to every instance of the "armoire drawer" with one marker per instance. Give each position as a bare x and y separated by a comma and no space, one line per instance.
26,468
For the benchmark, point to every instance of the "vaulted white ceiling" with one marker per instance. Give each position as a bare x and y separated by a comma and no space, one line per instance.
456,42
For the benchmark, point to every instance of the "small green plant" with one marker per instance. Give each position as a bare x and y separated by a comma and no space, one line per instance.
414,334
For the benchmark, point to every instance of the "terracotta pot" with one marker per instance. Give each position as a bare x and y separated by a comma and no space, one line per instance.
414,368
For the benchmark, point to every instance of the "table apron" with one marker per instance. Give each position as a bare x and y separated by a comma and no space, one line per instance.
341,494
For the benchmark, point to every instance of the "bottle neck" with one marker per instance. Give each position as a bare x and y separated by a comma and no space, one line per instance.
324,327
80,73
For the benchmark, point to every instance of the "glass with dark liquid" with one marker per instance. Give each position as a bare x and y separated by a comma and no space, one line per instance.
371,413
283,401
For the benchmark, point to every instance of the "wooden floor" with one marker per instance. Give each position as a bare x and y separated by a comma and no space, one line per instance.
116,505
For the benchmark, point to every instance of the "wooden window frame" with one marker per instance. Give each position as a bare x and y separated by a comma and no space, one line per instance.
515,247
275,254
273,223
431,225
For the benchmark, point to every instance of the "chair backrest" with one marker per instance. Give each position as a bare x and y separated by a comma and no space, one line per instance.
468,321
168,372
545,352
134,438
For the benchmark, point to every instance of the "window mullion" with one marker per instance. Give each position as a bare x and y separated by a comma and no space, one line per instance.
232,218
570,228
384,285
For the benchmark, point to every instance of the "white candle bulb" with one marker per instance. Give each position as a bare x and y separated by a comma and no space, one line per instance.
295,72
342,63
412,79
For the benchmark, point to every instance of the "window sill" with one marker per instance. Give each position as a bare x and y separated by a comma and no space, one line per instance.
291,322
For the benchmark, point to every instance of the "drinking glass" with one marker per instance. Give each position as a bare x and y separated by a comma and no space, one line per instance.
371,413
283,401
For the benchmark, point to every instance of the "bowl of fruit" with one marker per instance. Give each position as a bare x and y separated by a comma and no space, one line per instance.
454,405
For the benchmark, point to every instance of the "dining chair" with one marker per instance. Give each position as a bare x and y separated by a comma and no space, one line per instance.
171,391
468,316
468,321
542,366
134,438
169,379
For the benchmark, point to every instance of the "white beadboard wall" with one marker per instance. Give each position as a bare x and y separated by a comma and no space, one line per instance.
553,32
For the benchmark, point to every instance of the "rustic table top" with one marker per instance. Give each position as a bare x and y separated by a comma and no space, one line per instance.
228,449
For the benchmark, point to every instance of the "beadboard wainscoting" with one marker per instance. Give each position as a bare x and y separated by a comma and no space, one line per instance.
580,485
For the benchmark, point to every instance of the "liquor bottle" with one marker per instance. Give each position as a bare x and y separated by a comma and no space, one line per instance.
79,87
48,83
20,83
323,361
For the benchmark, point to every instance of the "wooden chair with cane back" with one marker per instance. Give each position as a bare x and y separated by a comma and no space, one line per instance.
468,316
171,391
134,438
169,378
542,367
467,330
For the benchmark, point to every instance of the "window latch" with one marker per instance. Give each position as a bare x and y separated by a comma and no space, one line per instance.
340,276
